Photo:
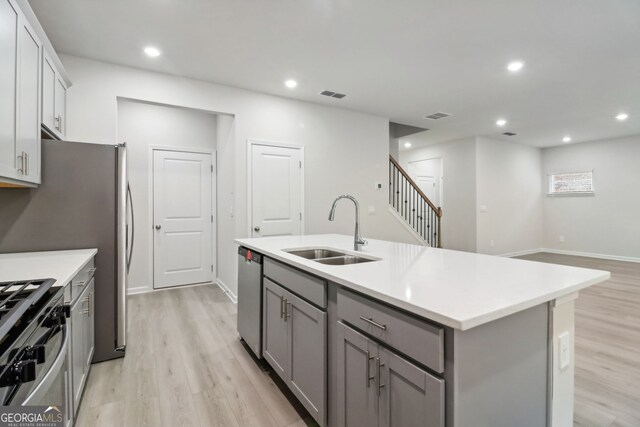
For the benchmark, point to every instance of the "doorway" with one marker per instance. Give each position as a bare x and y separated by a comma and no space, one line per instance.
182,217
276,189
428,174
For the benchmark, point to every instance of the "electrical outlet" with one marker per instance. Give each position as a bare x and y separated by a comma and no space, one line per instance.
564,350
561,238
492,243
372,210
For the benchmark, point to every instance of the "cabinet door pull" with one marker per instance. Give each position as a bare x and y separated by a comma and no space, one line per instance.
26,163
374,323
21,168
286,309
281,306
379,374
368,369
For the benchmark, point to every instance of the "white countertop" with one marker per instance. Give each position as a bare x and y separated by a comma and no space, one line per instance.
59,265
458,289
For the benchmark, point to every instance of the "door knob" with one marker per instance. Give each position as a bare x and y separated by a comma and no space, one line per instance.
158,227
256,228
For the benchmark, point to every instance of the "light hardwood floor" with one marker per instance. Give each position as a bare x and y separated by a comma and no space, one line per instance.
186,367
607,381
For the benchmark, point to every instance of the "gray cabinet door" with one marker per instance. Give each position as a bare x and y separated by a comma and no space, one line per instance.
274,327
89,321
77,350
307,358
357,398
409,396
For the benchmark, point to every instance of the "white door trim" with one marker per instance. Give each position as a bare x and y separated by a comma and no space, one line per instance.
214,207
250,144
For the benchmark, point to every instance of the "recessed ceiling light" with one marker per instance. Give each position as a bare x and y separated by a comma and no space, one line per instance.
622,117
291,83
501,122
515,66
566,139
407,144
152,51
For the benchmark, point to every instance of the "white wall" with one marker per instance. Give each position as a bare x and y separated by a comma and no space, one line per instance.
508,186
142,125
346,152
607,223
459,189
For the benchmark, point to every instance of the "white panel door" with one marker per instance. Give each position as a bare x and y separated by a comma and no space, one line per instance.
276,191
182,238
428,174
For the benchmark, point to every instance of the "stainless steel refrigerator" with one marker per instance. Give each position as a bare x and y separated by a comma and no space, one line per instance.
84,201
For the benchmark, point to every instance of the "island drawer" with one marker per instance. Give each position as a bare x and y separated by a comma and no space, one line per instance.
305,285
414,337
82,279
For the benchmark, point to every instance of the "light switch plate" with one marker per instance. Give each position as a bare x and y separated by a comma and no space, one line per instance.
564,350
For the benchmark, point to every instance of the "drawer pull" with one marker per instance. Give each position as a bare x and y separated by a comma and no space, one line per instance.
80,283
91,270
373,322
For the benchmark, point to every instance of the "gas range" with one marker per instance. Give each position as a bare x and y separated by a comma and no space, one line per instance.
32,343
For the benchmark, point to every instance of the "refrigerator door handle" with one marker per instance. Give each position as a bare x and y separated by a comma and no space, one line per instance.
122,257
133,229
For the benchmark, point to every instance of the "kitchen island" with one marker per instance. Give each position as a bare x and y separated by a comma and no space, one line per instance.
417,335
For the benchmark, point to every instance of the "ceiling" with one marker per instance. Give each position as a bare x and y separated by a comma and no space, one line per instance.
401,59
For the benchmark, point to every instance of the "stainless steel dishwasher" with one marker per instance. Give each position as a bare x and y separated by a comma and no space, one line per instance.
250,299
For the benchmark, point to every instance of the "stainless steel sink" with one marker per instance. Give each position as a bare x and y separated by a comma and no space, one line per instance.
344,260
329,256
316,253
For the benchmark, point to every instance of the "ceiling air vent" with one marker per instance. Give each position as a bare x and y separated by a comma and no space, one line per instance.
437,116
332,94
510,133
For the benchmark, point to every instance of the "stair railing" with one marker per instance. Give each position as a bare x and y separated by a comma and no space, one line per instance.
410,202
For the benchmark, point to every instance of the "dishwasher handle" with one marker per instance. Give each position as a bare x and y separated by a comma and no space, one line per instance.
249,255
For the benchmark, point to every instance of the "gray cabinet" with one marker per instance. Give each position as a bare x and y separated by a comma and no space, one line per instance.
377,387
77,351
409,395
82,340
274,335
357,395
307,355
295,345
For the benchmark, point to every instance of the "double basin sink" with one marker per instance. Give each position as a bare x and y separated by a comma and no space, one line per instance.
329,256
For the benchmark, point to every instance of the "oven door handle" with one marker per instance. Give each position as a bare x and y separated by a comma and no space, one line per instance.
41,389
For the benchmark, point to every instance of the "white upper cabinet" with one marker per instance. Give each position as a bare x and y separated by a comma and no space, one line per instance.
9,17
28,137
54,99
33,85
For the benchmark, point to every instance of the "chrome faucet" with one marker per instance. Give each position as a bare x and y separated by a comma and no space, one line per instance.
358,241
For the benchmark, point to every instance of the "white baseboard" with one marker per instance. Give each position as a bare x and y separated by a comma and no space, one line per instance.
592,255
139,290
233,297
522,253
145,289
411,231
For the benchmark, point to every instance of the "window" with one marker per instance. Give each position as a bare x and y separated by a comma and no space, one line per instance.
571,183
